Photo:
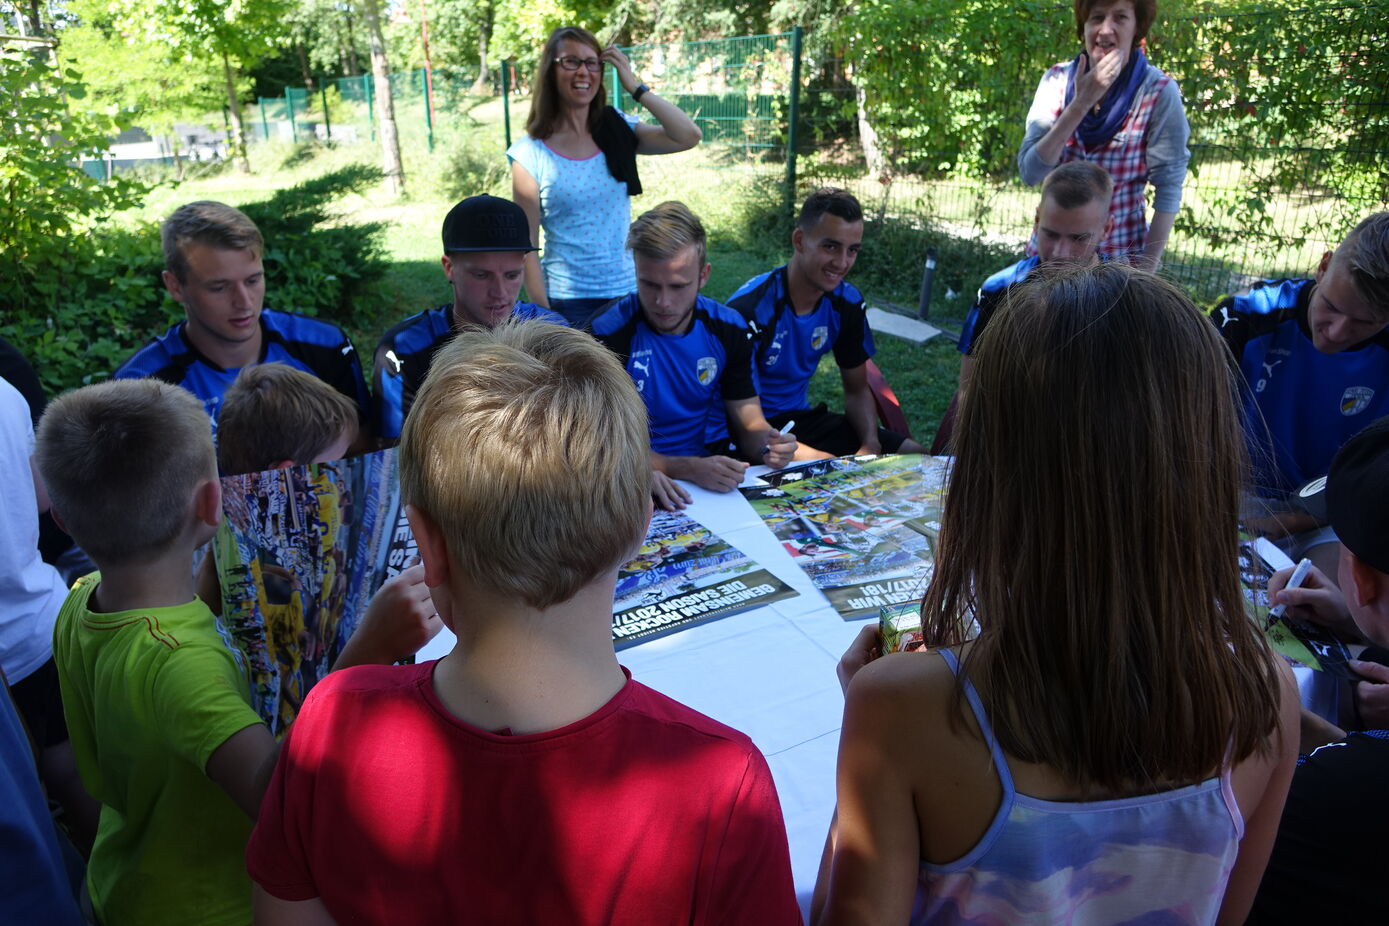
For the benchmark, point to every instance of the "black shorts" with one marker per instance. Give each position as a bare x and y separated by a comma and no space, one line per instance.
39,701
830,432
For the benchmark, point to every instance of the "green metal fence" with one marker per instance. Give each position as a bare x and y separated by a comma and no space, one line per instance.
736,90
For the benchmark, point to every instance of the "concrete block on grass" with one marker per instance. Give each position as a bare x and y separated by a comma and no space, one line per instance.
902,326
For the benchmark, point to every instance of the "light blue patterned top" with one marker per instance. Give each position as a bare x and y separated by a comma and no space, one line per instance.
1156,859
585,214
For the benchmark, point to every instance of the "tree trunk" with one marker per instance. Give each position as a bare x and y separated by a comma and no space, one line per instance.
304,66
35,19
238,131
385,102
868,137
354,61
484,35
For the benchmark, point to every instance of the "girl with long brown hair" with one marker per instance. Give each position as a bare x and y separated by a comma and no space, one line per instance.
1100,734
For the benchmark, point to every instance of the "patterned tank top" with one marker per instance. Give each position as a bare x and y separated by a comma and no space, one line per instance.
1158,858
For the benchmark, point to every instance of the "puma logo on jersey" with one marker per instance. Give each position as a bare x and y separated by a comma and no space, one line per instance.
1268,374
395,362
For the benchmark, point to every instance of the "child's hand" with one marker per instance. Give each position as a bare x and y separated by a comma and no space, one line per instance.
865,648
399,620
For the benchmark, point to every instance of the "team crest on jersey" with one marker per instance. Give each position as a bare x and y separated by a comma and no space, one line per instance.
1356,399
818,337
707,368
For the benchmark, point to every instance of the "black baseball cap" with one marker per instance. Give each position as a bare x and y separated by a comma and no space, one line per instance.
487,223
1357,495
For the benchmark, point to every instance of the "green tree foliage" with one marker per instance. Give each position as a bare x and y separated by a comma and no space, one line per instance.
234,34
127,72
1311,105
48,205
945,82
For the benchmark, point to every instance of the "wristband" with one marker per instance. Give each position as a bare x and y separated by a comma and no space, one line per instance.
637,93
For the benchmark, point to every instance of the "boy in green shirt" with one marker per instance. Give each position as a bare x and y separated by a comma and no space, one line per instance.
157,705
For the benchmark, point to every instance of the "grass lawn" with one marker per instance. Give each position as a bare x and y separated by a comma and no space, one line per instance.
729,198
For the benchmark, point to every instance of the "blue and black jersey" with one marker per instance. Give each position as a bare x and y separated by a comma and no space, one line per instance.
317,347
1301,405
683,378
404,354
990,298
789,346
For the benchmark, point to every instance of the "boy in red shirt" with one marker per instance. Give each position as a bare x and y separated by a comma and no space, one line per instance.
524,777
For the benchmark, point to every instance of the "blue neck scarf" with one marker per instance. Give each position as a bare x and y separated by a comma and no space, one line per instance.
1097,128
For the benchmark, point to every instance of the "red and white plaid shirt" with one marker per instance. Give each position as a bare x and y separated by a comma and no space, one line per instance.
1125,157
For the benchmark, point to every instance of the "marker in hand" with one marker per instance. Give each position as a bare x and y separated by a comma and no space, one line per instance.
783,432
1294,581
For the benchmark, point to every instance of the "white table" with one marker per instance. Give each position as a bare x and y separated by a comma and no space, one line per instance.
768,672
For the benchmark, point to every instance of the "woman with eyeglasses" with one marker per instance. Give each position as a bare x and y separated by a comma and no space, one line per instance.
576,167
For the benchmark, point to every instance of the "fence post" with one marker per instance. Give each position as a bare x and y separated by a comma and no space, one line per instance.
794,117
370,91
928,274
506,100
327,122
289,110
264,126
428,108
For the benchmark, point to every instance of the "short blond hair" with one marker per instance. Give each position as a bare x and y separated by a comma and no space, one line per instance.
665,231
528,446
273,412
121,460
209,223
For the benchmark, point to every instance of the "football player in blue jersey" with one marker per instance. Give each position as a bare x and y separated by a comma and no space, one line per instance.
1070,223
1315,355
825,313
486,240
214,269
691,359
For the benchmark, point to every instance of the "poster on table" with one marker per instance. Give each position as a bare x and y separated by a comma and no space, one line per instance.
862,528
301,551
685,575
1304,643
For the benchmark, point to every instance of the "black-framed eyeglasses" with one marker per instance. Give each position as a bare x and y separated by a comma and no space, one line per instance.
572,63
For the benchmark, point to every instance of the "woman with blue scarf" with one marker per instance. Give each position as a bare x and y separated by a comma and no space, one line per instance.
1110,106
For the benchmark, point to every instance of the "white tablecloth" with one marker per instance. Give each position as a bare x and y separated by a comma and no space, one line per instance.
768,672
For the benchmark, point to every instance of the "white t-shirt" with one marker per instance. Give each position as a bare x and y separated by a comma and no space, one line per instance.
31,591
585,215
